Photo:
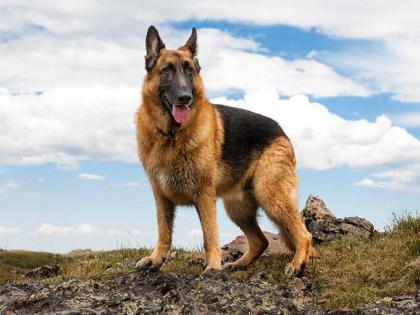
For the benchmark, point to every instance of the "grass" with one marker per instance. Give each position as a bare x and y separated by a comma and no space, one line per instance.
347,273
14,263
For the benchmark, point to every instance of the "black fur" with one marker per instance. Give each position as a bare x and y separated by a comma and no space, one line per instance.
246,134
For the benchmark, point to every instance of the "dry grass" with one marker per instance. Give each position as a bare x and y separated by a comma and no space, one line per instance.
348,272
352,272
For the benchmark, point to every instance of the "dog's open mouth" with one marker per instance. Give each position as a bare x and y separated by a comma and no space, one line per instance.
180,113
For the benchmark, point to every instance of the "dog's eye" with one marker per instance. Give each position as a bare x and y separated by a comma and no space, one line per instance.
165,70
188,68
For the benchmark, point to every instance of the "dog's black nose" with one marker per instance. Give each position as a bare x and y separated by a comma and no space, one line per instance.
184,99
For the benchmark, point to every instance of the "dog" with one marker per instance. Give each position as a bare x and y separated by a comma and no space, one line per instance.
194,151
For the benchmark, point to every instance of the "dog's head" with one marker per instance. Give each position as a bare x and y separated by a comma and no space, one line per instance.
173,75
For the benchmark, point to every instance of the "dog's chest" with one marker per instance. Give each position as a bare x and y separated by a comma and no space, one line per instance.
177,174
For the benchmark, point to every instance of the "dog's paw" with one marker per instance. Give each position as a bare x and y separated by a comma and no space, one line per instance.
148,263
291,271
212,267
233,266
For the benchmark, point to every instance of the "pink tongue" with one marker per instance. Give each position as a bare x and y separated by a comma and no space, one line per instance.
180,113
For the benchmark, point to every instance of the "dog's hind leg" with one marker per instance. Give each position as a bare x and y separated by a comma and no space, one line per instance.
243,211
275,188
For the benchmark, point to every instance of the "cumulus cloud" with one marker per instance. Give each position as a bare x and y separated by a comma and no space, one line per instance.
82,106
70,82
46,229
370,20
393,25
4,230
388,66
90,176
405,178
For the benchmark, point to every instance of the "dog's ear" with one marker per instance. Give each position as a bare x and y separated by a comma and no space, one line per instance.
191,45
153,46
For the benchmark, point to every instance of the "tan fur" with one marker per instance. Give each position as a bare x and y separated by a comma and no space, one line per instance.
188,170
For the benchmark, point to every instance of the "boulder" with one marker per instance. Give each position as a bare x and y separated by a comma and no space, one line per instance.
235,249
325,226
42,272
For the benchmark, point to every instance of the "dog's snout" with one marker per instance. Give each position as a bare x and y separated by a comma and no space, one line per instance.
184,99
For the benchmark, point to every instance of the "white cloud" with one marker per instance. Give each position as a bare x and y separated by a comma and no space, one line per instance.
90,90
135,232
91,75
404,178
393,25
12,184
390,66
196,232
46,229
349,19
411,119
9,230
90,176
130,184
367,182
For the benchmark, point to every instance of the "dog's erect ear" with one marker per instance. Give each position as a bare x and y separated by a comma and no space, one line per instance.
153,46
191,43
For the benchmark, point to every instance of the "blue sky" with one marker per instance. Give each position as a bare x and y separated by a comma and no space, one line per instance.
68,171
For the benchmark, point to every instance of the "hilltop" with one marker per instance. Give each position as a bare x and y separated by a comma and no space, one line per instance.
359,270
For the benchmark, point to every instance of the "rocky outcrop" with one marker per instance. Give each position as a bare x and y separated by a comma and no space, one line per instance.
161,293
168,293
324,226
235,249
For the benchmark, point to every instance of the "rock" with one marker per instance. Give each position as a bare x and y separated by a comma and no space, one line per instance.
316,209
46,271
235,249
324,226
162,293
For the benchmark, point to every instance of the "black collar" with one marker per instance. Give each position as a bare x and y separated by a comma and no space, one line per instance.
170,134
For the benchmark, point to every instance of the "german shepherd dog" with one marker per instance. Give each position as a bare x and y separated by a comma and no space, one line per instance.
194,151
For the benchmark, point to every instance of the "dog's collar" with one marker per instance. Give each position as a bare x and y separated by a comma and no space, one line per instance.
170,134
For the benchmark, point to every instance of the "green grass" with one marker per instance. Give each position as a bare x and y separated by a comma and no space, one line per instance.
14,263
347,273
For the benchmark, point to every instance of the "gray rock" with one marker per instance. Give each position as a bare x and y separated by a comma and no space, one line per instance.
235,249
45,271
325,227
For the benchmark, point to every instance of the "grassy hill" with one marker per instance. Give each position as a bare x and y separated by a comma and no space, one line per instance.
348,273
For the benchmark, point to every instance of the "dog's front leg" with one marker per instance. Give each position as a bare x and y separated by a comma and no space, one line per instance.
165,211
206,208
